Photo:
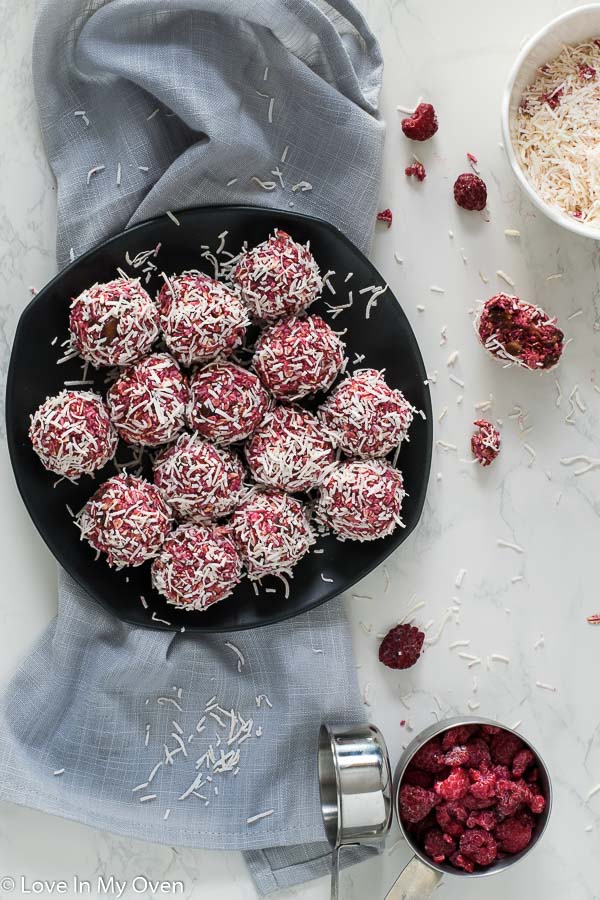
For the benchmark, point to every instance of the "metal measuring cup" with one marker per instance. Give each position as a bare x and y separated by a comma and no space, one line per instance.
355,781
420,877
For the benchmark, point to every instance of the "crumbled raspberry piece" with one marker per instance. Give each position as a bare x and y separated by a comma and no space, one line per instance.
458,735
430,757
577,214
415,802
479,752
451,817
485,442
423,123
470,192
418,777
472,159
461,862
401,647
553,98
594,619
514,834
479,846
417,169
386,216
504,746
483,785
586,73
438,845
458,756
484,818
454,786
521,760
491,729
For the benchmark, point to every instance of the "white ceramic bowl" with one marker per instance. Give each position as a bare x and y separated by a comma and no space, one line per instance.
577,25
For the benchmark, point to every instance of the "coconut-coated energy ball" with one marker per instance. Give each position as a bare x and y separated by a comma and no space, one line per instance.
365,417
518,332
113,324
272,533
72,434
198,565
361,500
200,481
200,318
278,278
298,357
227,402
127,519
148,401
289,450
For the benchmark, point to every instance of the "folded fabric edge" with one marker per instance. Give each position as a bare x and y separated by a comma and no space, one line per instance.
269,879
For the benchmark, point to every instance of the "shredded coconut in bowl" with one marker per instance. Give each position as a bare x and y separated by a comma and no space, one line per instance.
557,139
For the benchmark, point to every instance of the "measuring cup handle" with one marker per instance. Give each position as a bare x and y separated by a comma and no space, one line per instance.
415,882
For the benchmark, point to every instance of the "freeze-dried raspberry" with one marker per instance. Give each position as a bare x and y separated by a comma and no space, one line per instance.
553,98
472,803
511,796
430,757
521,760
458,756
479,752
533,775
401,647
504,746
461,862
386,216
458,735
454,786
479,846
586,73
491,729
514,834
484,784
470,192
502,773
438,845
536,800
418,830
415,802
423,123
418,170
484,818
418,777
451,817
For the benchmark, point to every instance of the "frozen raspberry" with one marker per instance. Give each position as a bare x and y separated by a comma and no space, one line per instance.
514,834
474,803
452,817
423,123
417,777
484,818
461,862
536,800
470,192
502,773
491,729
415,802
458,735
504,746
485,442
438,845
586,73
401,647
479,846
521,760
387,216
511,796
430,757
533,775
417,170
479,752
483,785
458,756
454,786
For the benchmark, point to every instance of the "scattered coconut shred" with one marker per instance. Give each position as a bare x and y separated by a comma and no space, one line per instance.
558,132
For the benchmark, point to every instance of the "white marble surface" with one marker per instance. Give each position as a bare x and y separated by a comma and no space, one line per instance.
456,53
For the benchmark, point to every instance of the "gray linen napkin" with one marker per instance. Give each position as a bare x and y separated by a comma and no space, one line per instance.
169,97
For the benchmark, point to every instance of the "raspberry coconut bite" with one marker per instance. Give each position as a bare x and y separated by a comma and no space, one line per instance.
72,434
298,357
485,442
227,403
361,500
127,519
148,401
471,796
365,417
197,566
290,450
272,533
200,318
278,278
113,324
518,332
200,481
